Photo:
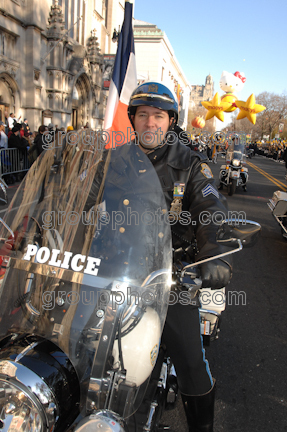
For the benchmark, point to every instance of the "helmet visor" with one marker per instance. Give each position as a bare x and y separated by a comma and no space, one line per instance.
162,102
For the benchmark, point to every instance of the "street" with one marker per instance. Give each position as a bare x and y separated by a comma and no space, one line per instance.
248,360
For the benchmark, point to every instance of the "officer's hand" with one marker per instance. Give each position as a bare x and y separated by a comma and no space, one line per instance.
215,274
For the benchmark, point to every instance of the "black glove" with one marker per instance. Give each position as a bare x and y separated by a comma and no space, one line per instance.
215,274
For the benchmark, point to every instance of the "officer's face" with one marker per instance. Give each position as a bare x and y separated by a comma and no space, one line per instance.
151,124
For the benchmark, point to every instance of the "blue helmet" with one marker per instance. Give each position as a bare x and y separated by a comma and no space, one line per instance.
153,94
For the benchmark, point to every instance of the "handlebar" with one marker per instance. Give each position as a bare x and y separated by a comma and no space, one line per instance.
240,247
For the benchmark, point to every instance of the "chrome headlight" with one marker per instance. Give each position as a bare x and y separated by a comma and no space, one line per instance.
39,388
26,402
105,420
235,162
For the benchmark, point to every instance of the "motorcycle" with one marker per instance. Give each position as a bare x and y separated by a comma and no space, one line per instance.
87,264
250,153
278,207
234,173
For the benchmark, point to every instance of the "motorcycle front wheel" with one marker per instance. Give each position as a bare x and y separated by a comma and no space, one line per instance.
231,188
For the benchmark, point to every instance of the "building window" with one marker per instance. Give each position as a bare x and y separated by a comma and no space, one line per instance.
106,13
162,73
75,94
72,19
51,79
7,45
50,101
79,22
83,22
3,45
67,16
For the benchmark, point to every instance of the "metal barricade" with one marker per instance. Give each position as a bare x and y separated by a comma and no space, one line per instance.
13,161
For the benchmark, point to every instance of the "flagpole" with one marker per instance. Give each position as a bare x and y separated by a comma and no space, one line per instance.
123,82
62,38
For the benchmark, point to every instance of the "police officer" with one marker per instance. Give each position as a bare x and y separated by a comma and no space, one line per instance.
153,112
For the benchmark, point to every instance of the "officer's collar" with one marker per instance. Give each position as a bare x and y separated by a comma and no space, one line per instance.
157,154
179,156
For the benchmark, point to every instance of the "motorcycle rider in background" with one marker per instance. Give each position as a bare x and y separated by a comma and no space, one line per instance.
153,112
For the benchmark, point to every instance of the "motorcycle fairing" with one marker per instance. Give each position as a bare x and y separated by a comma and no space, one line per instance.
236,150
86,256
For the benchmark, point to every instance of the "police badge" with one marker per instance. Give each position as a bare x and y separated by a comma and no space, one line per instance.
153,88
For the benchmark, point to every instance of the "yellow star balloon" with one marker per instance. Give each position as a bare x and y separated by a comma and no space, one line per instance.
249,109
216,107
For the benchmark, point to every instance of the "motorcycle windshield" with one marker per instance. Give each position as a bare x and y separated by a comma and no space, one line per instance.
86,263
236,150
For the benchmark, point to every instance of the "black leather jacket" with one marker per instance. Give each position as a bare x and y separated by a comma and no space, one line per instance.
201,201
202,207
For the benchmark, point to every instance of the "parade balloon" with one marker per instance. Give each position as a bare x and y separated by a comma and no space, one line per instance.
216,107
230,98
231,83
249,109
198,122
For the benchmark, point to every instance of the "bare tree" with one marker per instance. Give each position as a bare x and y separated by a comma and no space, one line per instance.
267,122
275,113
243,125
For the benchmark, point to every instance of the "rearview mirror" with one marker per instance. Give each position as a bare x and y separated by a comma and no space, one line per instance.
246,231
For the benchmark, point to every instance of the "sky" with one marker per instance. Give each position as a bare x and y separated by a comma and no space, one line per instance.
211,36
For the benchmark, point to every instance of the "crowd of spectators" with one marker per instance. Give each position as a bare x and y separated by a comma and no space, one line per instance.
15,133
275,150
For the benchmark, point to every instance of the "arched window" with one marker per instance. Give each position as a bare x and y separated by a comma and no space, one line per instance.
75,93
50,101
51,79
4,44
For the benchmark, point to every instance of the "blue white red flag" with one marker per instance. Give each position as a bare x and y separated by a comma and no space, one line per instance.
124,81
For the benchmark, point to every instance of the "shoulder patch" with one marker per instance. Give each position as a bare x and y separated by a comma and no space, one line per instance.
206,171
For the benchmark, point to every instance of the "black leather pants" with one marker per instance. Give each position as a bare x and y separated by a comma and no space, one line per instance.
182,338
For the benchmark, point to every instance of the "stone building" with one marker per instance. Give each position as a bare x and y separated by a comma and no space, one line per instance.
51,57
201,93
155,60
